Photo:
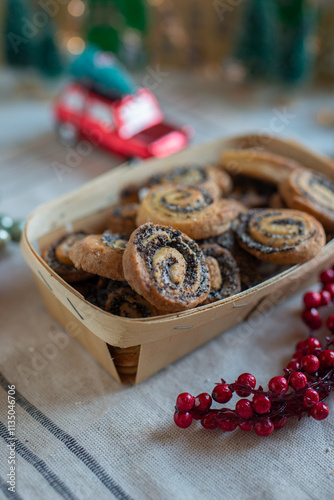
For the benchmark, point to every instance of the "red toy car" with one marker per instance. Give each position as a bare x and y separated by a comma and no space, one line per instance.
131,126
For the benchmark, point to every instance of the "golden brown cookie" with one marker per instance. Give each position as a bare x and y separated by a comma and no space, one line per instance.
122,218
252,193
191,210
224,272
258,164
311,192
123,301
276,201
126,361
101,254
281,236
57,257
166,267
212,179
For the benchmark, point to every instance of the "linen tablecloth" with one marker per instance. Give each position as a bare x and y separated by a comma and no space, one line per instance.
81,435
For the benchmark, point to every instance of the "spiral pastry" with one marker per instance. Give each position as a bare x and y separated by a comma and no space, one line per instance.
258,164
166,267
122,218
212,179
247,264
311,192
57,257
118,298
191,210
224,273
281,236
101,254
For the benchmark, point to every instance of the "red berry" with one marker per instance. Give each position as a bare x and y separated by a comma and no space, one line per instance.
312,299
182,419
326,358
249,381
325,297
279,421
197,415
311,398
298,380
278,385
261,404
264,428
185,401
226,421
246,425
312,318
243,408
209,421
320,411
330,322
222,393
203,402
312,345
300,345
329,287
292,366
327,276
297,356
310,363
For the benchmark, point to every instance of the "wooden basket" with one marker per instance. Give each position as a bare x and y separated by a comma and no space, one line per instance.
164,339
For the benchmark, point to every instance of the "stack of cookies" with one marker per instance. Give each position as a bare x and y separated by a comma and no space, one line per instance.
196,235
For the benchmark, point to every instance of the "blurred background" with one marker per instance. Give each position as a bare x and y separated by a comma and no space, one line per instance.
224,67
268,52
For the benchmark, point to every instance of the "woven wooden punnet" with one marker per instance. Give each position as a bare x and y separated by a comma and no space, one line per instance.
163,339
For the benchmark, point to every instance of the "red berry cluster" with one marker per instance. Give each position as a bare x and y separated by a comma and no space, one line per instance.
307,381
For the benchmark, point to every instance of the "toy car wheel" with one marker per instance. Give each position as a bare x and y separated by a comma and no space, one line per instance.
67,134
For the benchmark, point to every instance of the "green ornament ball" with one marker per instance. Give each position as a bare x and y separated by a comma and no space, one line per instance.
17,229
6,222
4,238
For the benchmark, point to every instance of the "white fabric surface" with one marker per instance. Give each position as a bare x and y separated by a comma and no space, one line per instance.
128,430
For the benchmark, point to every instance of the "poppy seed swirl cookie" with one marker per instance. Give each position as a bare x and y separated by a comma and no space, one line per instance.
261,165
101,254
118,298
311,192
166,267
224,272
122,218
214,180
281,236
57,257
191,210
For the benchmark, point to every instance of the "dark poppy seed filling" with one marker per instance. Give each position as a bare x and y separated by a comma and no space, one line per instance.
68,272
295,234
183,201
190,278
317,188
125,211
118,298
117,241
188,175
229,276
